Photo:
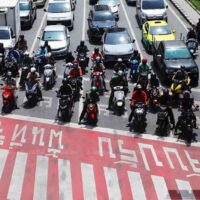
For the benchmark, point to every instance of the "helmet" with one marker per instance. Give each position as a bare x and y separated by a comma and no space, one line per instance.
26,53
69,53
33,69
135,52
138,87
82,42
182,67
75,64
69,65
153,75
120,73
65,81
119,60
98,59
93,89
46,43
9,73
144,60
96,50
186,95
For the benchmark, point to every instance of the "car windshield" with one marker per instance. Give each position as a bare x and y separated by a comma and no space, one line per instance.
104,16
153,4
59,7
108,2
177,53
24,6
53,36
117,38
4,35
160,30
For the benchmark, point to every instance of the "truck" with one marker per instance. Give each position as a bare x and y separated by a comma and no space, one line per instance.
10,27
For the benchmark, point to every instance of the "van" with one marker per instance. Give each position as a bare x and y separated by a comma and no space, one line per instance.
151,10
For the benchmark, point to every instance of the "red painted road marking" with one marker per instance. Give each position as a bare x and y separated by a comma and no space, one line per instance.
61,162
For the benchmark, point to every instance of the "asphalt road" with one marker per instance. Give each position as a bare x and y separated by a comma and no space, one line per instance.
47,109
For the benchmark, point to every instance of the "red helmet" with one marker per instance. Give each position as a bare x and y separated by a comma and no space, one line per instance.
144,60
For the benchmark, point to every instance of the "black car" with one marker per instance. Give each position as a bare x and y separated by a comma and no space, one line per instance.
100,18
168,56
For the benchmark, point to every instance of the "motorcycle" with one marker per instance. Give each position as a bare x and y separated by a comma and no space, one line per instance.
49,77
24,72
177,88
143,80
154,95
91,116
65,108
40,62
31,93
8,99
133,70
76,88
66,70
118,100
139,122
192,45
97,81
1,63
82,60
11,65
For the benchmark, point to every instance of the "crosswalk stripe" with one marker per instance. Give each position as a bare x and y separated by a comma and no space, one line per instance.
17,179
112,183
3,158
89,186
137,188
65,182
41,175
185,189
160,187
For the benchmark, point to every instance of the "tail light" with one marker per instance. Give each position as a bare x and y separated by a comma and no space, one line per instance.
155,101
92,115
5,96
97,83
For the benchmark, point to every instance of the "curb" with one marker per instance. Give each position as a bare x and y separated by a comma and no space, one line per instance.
184,13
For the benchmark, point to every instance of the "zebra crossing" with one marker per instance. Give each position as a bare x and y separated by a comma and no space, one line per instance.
32,176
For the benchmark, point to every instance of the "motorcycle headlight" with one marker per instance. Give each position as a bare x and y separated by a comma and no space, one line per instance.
119,103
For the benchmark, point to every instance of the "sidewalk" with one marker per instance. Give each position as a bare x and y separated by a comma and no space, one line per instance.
187,10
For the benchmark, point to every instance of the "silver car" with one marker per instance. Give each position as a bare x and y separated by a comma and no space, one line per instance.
58,38
117,43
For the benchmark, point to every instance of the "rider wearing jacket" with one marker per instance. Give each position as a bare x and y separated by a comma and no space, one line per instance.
21,44
69,57
120,65
96,54
117,80
138,96
135,56
91,96
82,48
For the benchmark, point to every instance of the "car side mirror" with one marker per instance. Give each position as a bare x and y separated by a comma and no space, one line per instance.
45,10
38,37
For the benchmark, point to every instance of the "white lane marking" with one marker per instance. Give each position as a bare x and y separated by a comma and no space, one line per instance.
160,187
41,175
195,89
65,182
3,158
112,183
89,186
185,189
84,19
100,129
179,19
130,27
137,188
17,179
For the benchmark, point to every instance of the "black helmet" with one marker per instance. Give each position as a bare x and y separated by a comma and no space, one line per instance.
21,37
46,43
82,42
96,50
135,52
182,67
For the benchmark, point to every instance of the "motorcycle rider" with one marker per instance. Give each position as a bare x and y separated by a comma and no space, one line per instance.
96,54
65,88
138,96
120,66
117,80
135,56
33,77
82,48
99,67
181,75
21,44
91,96
153,81
76,72
165,98
27,61
11,82
191,33
49,51
69,57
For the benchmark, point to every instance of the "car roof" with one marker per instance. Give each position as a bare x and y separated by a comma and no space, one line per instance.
157,23
173,44
54,28
116,29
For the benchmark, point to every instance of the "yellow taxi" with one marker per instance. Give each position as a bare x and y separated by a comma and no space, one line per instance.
157,30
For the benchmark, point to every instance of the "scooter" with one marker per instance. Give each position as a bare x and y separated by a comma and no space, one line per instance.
11,65
66,70
192,45
91,116
133,70
76,87
49,77
97,81
118,100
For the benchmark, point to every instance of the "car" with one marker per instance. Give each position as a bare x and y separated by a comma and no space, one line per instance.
131,2
113,4
157,30
168,56
58,38
151,10
39,3
100,18
60,12
7,37
28,13
117,43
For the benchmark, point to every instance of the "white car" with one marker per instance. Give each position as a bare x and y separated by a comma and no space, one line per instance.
60,12
7,37
58,38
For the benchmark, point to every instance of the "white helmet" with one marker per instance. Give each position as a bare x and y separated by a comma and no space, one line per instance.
26,53
33,70
119,60
69,64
